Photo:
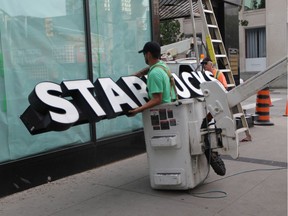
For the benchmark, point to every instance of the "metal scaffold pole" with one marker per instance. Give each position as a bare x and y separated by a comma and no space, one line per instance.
194,32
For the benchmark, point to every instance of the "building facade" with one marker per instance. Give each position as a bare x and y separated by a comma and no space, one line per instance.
263,27
257,28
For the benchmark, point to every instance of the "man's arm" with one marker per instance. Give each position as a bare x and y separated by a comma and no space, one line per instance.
156,100
142,72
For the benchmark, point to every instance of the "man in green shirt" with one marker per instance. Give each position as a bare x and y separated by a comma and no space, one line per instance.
160,83
161,89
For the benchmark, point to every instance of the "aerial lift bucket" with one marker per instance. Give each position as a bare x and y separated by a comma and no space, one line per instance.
174,138
174,147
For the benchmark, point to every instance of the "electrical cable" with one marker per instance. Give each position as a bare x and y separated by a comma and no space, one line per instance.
246,171
224,194
209,147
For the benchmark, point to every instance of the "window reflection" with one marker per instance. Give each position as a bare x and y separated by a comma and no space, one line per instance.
44,40
116,36
254,4
41,40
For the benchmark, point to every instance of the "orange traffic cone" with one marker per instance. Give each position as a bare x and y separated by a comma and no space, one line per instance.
263,108
286,112
270,101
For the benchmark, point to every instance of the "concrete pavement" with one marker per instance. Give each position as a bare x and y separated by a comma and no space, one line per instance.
255,184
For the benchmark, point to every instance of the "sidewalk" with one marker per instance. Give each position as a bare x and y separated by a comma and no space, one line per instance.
255,184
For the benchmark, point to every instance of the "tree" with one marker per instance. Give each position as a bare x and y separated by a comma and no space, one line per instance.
254,4
261,4
169,31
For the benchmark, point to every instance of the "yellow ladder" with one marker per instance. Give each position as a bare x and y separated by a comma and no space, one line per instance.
218,55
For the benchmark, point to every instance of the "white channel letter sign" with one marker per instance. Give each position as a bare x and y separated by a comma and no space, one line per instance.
57,107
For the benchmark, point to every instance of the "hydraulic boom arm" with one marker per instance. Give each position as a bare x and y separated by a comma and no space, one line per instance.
220,102
257,82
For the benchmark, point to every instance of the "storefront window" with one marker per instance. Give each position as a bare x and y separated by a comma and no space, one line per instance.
118,30
254,4
40,40
44,40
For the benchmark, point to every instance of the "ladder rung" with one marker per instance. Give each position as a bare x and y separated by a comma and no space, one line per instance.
212,26
225,70
231,85
241,130
220,56
216,41
208,11
238,115
203,132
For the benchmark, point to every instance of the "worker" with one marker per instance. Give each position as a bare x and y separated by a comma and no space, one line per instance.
160,82
190,52
214,159
208,66
169,56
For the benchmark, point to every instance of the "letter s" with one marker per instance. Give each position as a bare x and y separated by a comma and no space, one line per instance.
45,98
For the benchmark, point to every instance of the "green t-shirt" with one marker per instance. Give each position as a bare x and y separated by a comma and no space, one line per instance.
159,82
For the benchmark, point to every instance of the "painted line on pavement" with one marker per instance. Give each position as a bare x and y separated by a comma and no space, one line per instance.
253,105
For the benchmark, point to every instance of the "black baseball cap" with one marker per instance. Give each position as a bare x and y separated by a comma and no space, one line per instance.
206,60
152,47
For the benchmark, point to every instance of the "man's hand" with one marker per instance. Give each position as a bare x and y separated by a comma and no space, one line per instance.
156,100
133,112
